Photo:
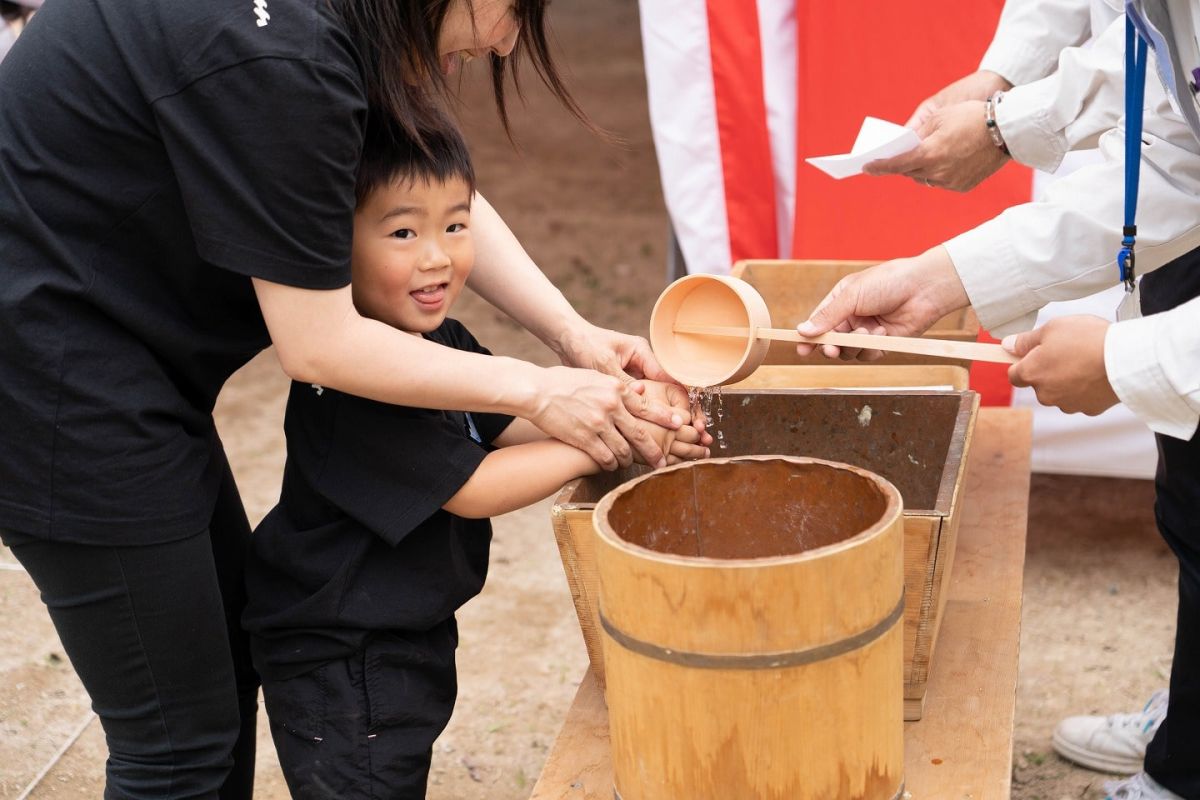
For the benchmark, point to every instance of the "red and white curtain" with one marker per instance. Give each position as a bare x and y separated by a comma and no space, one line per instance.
742,90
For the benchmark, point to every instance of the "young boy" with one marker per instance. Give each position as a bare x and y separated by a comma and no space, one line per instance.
382,528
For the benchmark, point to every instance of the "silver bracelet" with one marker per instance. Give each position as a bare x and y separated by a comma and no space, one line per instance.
990,121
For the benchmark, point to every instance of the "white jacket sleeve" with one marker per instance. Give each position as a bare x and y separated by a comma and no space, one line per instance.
1032,33
1071,108
1066,247
1153,364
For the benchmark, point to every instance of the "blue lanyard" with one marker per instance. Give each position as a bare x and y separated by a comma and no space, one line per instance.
1135,92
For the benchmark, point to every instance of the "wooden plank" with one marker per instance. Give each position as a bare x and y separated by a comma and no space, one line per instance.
573,534
962,748
579,767
854,376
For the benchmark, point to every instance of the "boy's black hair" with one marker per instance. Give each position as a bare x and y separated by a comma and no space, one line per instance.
390,154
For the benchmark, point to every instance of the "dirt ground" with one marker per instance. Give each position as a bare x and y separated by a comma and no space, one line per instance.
1098,617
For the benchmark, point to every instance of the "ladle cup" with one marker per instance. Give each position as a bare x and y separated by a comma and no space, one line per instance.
710,330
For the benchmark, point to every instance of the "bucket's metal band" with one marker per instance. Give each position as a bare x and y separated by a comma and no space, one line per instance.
794,658
896,796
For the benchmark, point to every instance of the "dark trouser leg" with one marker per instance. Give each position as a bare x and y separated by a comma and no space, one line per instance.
230,534
365,727
1173,757
147,630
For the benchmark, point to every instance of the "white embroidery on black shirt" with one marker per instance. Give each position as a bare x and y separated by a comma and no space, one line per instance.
260,11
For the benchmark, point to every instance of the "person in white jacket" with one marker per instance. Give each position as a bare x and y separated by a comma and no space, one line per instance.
1064,248
1054,73
1039,121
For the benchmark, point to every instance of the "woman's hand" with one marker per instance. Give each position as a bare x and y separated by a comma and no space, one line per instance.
899,298
610,352
599,415
654,396
979,85
956,151
1064,363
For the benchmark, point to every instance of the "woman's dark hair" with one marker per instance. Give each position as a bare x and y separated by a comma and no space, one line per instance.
390,154
398,40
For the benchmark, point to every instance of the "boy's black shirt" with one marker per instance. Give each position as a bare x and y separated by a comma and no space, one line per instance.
359,542
154,156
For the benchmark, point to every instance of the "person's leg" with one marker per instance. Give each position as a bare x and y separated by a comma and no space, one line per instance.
144,628
230,536
411,684
1173,756
364,727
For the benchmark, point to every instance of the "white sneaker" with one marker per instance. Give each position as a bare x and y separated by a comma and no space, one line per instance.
1116,743
1139,787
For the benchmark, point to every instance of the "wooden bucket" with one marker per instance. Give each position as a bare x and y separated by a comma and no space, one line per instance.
752,642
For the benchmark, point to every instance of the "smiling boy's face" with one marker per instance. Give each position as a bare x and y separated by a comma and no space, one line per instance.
412,252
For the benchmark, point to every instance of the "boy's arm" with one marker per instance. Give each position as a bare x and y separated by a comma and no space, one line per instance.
517,475
530,466
519,431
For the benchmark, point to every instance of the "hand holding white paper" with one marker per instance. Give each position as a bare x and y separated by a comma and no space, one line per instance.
877,139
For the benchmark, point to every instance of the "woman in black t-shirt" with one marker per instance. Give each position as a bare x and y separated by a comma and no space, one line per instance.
176,193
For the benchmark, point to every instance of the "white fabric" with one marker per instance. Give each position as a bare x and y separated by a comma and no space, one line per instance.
1032,33
1065,248
1153,364
1040,127
1072,107
683,118
1114,444
777,31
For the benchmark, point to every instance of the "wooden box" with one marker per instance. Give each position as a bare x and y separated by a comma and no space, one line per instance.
917,439
792,290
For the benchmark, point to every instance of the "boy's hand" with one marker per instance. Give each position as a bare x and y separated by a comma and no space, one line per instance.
663,437
675,396
679,445
687,445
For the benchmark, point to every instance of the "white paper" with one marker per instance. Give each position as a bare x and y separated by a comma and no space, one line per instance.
877,138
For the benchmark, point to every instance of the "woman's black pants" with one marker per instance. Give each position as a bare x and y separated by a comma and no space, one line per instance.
153,633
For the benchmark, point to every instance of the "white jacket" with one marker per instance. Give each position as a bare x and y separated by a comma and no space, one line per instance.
1065,247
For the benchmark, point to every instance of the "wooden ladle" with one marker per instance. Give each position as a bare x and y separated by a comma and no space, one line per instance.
709,330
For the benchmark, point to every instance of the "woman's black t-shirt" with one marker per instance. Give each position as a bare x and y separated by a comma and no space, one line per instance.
154,155
359,542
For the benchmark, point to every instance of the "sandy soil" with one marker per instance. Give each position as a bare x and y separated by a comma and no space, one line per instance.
1099,602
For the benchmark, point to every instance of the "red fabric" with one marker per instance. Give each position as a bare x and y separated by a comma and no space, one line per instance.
859,58
991,380
734,40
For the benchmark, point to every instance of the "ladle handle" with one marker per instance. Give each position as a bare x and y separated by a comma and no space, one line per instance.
938,348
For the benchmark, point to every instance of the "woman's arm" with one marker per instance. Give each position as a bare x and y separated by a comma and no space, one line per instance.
320,338
513,477
688,444
506,277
